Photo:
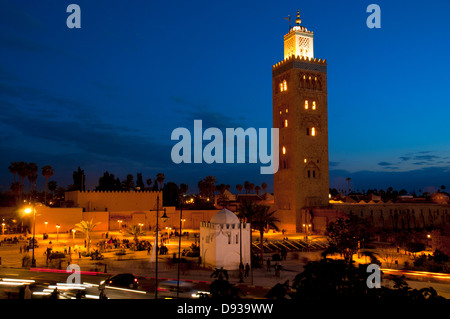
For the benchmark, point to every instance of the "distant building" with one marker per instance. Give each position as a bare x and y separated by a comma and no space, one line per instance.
224,240
301,185
299,89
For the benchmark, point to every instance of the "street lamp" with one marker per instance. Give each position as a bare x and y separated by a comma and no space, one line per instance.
57,231
120,224
3,228
73,234
140,226
164,218
168,229
179,247
28,210
46,224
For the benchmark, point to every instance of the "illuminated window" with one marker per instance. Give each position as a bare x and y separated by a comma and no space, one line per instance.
314,105
281,87
313,131
285,123
306,104
286,110
284,150
285,85
305,160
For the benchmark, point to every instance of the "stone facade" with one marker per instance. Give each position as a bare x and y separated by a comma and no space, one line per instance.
113,200
300,112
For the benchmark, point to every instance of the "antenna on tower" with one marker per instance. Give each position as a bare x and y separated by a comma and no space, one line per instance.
289,18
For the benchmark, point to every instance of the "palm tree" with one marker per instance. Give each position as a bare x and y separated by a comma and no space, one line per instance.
14,168
160,179
257,189
183,189
32,169
239,187
22,172
47,172
207,186
86,227
52,187
348,179
260,219
136,232
221,288
246,186
264,186
149,183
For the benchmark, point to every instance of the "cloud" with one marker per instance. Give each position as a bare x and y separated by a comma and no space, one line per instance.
197,111
426,157
405,158
334,164
410,180
384,164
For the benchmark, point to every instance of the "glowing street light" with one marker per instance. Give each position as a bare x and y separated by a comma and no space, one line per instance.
164,218
57,231
28,210
46,225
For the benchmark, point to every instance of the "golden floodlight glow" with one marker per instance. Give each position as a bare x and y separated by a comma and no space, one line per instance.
313,131
306,104
28,210
284,150
285,123
314,105
285,85
305,160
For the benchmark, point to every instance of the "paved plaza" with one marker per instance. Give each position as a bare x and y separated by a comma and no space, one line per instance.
140,263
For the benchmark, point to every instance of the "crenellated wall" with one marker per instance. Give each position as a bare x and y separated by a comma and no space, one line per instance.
114,200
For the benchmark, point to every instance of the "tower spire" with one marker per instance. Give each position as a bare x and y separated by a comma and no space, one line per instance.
298,20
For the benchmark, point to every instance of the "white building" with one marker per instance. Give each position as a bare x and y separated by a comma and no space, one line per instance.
224,241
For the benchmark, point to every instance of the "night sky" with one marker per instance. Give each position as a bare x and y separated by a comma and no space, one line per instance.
107,97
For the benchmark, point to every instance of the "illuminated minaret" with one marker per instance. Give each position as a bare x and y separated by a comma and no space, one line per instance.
299,84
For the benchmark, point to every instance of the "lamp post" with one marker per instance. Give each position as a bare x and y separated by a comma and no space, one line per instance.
28,211
57,231
46,224
164,219
169,229
179,248
3,228
241,265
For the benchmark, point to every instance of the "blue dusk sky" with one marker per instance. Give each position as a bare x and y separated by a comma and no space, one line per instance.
107,96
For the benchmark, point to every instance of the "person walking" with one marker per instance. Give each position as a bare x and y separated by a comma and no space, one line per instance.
247,270
27,293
